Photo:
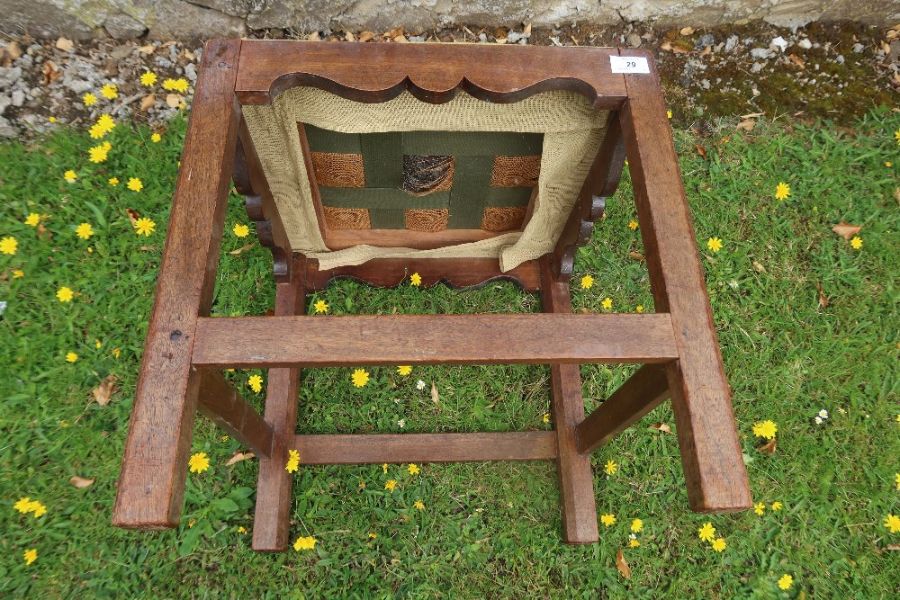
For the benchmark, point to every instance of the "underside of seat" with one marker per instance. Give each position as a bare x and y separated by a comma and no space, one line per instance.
421,143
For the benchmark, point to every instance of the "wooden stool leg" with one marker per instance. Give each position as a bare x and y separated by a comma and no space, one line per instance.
576,481
271,525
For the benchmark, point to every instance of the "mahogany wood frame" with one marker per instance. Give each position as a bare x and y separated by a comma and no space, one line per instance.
184,347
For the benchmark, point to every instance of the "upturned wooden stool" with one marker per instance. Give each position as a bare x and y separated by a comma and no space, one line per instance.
464,163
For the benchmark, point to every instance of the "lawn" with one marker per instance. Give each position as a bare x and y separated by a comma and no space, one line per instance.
806,321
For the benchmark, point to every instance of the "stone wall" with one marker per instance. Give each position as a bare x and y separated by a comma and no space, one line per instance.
183,19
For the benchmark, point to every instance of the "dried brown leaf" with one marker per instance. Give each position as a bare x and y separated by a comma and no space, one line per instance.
846,230
393,33
400,39
147,101
700,150
238,457
746,125
664,427
65,44
755,115
636,256
148,49
769,447
365,36
313,37
757,266
622,565
823,299
435,396
526,31
188,54
797,60
173,100
667,46
81,482
892,547
50,72
103,392
243,248
687,31
133,215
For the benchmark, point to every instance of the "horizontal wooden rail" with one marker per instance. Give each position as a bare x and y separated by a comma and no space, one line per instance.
309,341
424,447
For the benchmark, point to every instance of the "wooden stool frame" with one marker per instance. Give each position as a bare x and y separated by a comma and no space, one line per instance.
185,349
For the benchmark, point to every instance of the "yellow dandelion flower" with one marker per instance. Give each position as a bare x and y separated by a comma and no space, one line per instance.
372,535
135,184
155,138
240,529
293,461
96,132
98,344
116,352
199,462
611,467
321,307
776,506
707,532
148,78
413,469
33,219
668,114
65,294
637,525
607,303
785,582
404,370
89,99
415,279
719,545
255,382
384,468
144,226
587,282
390,485
419,505
240,230
897,135
633,543
84,231
8,245
109,91
856,243
23,505
106,123
305,543
70,176
51,119
546,418
714,244
360,377
765,429
30,555
18,273
892,522
782,191
37,508
759,508
639,308
71,357
113,181
632,225
175,85
608,519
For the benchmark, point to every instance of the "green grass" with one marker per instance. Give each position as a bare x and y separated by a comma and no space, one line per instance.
488,530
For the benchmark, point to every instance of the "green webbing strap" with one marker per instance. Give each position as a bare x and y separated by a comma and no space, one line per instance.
470,181
381,198
382,159
322,140
458,143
